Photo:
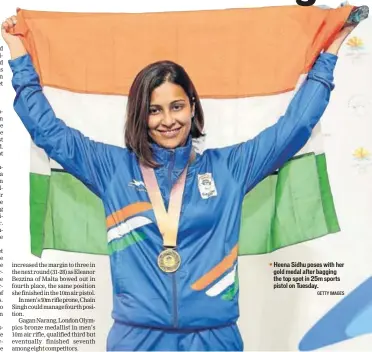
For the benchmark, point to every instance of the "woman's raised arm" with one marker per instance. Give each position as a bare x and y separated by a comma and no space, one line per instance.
91,162
253,160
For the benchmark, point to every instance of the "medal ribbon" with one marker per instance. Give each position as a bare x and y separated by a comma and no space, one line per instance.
167,221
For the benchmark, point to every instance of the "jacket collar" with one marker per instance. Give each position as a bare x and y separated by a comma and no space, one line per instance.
178,157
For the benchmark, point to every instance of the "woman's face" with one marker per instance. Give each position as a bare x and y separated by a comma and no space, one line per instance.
169,116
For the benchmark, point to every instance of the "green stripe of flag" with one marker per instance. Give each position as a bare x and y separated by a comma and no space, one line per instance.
290,207
327,198
39,188
74,218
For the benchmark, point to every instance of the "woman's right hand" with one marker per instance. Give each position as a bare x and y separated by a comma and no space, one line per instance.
14,43
6,26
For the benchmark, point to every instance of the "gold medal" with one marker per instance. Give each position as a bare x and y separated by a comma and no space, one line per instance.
169,260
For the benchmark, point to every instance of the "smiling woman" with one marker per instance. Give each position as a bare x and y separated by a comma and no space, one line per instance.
170,116
163,108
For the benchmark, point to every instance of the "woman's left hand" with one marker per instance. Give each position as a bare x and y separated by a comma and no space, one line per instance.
358,14
335,46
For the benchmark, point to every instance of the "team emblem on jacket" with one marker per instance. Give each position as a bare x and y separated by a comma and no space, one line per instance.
139,185
207,188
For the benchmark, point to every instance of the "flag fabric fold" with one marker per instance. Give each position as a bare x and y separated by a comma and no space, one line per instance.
246,65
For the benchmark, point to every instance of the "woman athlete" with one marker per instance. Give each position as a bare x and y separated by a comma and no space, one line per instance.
190,204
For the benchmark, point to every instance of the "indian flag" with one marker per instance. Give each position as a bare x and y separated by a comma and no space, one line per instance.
246,64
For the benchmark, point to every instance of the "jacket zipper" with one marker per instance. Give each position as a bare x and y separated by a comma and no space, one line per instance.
174,281
175,308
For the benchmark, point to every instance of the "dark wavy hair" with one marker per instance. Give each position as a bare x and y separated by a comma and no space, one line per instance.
149,78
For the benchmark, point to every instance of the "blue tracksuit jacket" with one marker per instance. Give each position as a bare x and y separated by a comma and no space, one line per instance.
203,293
